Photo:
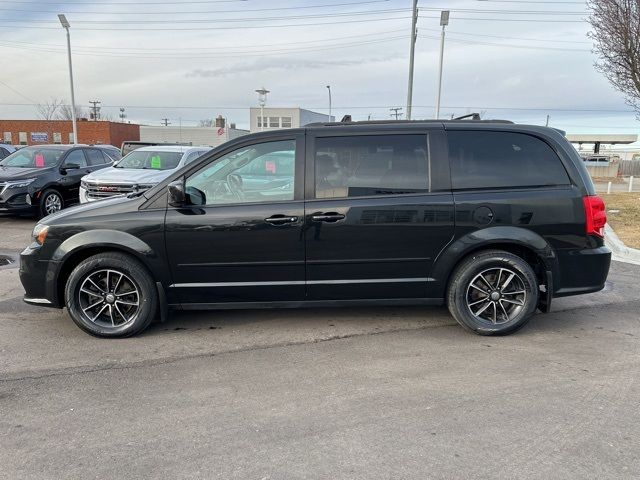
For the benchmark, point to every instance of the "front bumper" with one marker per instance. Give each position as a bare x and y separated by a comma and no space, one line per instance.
16,200
39,279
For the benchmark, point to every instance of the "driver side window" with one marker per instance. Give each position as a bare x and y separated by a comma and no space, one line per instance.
263,172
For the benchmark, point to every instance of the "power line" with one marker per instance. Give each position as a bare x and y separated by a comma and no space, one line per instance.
507,45
198,12
17,92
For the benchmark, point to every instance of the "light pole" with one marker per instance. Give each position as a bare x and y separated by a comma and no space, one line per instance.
329,88
262,101
65,24
444,21
414,35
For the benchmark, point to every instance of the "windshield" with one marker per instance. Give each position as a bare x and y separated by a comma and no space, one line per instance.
150,159
34,157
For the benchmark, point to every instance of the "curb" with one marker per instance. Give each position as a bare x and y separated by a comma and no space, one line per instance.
620,252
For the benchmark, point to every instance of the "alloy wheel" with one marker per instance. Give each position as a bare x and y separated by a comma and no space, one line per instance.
53,203
496,295
109,298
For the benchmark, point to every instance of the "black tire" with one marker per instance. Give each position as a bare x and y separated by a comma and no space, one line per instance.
505,310
108,277
50,195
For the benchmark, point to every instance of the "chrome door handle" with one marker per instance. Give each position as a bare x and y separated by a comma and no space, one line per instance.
327,217
281,219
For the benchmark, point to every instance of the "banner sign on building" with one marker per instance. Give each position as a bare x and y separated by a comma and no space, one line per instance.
41,137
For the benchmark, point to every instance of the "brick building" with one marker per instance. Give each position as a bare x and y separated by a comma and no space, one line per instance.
34,132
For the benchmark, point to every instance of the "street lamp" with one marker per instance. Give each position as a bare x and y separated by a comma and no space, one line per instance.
444,21
65,24
262,101
329,88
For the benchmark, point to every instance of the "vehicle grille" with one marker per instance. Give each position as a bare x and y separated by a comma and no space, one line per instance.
3,185
96,191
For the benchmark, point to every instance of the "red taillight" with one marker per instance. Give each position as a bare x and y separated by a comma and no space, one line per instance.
595,215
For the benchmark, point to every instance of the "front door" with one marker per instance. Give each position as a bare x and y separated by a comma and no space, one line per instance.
239,239
378,212
70,178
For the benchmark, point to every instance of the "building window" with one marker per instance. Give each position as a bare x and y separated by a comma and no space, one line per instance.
57,138
259,121
22,138
286,122
274,122
7,137
71,138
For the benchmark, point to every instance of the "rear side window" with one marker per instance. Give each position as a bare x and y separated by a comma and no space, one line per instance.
366,165
502,159
95,157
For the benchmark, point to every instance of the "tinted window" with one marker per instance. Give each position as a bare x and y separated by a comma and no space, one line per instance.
95,157
262,172
3,152
502,159
371,165
77,157
194,155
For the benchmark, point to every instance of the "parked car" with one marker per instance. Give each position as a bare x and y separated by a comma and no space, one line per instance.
6,150
44,179
139,170
492,219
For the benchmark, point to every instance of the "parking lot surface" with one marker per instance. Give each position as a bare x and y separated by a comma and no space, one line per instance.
356,393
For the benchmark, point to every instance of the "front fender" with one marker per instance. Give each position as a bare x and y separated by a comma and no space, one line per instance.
102,238
486,238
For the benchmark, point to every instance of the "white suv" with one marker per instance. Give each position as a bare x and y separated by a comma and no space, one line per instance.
138,170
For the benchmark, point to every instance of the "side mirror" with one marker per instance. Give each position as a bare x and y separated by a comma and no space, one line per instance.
69,166
176,193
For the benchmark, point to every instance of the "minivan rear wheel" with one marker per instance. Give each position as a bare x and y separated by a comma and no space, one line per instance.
111,295
493,292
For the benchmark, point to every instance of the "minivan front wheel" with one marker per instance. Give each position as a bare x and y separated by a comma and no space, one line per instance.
111,295
493,292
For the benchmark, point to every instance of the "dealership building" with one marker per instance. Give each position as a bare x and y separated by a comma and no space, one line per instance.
38,132
273,118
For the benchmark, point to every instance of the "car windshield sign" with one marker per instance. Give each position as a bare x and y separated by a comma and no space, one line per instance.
153,160
33,157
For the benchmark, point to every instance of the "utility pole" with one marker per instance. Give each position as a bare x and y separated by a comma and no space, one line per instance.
414,36
95,107
122,114
547,124
65,24
165,122
444,21
396,112
329,88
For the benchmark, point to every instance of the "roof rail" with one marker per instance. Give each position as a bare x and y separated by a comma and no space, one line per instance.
470,116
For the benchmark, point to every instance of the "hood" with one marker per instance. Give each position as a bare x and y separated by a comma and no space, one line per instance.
127,175
17,173
107,206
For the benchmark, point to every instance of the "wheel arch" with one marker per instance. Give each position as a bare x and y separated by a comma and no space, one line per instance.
528,245
83,245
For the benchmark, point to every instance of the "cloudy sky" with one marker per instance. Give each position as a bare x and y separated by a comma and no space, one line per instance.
191,60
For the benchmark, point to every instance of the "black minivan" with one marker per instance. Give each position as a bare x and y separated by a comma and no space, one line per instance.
492,218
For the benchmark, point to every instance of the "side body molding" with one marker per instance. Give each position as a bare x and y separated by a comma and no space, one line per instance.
486,238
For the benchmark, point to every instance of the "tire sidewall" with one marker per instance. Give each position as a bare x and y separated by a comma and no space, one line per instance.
135,272
479,264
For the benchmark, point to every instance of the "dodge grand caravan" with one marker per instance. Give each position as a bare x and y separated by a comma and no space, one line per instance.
491,218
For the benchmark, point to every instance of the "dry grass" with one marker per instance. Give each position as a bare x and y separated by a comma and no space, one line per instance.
625,222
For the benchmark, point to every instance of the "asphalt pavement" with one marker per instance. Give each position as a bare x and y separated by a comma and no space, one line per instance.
358,393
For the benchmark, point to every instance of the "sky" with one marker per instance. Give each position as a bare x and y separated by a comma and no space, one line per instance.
188,60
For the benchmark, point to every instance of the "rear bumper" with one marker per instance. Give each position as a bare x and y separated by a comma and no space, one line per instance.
582,271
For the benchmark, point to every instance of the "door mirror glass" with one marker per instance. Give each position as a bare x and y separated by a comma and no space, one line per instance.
176,193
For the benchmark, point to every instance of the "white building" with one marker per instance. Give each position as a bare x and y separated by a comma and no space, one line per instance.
212,136
275,117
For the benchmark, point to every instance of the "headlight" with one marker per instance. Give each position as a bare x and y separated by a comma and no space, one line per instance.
83,184
40,232
19,183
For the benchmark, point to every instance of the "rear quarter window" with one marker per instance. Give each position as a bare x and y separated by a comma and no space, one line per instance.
502,159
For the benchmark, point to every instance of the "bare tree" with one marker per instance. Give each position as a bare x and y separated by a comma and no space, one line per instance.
616,34
49,110
207,122
65,112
